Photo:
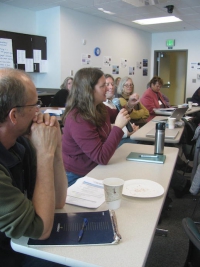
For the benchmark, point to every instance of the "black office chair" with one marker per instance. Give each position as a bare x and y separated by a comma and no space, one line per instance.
188,99
193,257
188,144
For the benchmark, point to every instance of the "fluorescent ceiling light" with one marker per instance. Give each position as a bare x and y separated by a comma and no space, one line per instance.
108,12
105,11
157,20
139,3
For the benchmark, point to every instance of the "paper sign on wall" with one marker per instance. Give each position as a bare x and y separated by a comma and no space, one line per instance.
6,53
37,56
21,57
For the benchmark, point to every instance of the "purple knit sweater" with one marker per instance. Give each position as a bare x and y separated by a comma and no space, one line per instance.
85,146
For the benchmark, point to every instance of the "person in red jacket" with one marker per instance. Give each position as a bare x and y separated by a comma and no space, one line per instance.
153,98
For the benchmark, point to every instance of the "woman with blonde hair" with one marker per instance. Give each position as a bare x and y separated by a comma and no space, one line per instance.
126,93
61,96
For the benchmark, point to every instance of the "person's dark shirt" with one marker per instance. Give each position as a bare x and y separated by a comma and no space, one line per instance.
196,97
22,169
60,98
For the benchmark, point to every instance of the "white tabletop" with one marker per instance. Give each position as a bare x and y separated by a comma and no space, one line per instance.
169,111
137,217
140,135
192,110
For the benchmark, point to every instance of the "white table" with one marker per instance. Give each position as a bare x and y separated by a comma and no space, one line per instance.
140,135
192,110
169,112
137,217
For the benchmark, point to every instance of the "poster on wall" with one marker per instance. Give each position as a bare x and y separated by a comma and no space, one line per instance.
29,65
145,62
43,66
115,69
107,61
195,66
21,57
139,65
37,56
85,59
123,62
6,53
131,70
145,71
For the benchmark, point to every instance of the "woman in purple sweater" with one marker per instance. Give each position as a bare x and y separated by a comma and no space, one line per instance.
88,138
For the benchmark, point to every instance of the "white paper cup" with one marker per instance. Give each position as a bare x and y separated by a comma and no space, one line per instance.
190,104
171,123
113,192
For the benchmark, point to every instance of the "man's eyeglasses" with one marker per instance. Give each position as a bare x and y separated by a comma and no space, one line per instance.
38,104
128,85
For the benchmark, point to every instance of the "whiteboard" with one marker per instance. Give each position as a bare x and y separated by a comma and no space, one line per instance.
6,53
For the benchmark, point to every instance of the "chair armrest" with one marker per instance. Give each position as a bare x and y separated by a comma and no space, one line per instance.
192,231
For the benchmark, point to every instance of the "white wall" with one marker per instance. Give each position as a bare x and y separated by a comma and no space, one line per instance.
115,40
17,19
185,40
65,28
48,24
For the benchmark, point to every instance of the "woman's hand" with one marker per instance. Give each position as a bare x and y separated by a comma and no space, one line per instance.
135,128
122,118
133,100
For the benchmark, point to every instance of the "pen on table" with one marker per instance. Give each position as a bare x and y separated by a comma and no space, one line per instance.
149,156
85,222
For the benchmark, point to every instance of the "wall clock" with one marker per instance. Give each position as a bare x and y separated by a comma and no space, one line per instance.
97,51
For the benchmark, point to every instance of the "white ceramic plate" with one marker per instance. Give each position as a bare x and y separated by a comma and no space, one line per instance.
142,188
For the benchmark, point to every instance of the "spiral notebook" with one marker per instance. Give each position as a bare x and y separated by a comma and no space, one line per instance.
101,230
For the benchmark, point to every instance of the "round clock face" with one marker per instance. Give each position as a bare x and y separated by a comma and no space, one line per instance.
97,51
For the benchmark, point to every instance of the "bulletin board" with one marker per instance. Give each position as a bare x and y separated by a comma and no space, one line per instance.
23,51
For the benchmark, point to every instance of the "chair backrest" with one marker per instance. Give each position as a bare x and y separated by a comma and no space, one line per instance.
193,257
189,132
188,144
188,99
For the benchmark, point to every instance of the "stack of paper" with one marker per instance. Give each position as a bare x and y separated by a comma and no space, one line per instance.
86,192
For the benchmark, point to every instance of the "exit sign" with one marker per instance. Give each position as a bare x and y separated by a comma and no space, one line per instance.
170,43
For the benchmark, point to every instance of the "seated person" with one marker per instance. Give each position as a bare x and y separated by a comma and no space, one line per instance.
125,90
32,177
195,176
60,97
152,97
166,99
196,97
88,138
109,97
116,83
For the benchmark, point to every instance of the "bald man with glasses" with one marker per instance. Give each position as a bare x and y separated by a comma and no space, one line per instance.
32,177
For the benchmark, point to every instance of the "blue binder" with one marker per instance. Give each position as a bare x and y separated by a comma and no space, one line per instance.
100,229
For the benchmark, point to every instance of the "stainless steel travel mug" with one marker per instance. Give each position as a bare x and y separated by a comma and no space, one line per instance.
159,138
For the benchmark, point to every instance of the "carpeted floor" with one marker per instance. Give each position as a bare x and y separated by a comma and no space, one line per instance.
171,251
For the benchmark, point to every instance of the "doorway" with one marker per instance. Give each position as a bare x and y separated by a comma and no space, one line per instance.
171,66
